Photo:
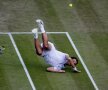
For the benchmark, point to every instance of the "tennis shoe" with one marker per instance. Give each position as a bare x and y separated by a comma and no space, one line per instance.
35,32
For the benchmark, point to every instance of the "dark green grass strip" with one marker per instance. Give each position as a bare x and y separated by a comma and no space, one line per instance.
101,41
12,75
37,67
20,15
93,48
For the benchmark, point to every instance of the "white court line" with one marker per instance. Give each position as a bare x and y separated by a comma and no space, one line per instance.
22,62
3,33
31,32
85,67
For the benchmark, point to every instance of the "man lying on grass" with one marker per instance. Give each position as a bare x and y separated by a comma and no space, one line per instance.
52,56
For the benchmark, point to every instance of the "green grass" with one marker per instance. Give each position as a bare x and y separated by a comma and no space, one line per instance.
93,49
100,40
37,67
86,22
12,75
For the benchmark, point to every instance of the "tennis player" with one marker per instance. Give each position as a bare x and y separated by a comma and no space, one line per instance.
56,59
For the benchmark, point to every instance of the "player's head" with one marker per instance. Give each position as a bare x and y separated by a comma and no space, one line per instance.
75,60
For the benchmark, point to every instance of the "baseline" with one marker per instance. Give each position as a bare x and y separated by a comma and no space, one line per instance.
31,32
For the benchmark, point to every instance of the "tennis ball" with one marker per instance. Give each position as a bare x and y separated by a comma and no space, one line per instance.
70,5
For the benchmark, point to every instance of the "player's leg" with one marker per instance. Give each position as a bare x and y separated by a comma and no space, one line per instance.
54,69
36,42
44,35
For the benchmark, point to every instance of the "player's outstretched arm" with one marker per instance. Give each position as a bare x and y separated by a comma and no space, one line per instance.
72,63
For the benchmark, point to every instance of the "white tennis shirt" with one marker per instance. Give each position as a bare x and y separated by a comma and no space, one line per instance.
54,57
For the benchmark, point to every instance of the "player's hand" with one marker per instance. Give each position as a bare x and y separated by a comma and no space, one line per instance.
76,70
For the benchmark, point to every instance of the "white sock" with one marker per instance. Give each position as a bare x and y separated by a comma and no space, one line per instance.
35,32
35,35
42,29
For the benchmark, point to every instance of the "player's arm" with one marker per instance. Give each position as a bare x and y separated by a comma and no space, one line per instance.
72,63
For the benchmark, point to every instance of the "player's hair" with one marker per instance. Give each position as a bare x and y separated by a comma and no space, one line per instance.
76,60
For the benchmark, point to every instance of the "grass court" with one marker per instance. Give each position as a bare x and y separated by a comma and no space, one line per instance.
86,24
